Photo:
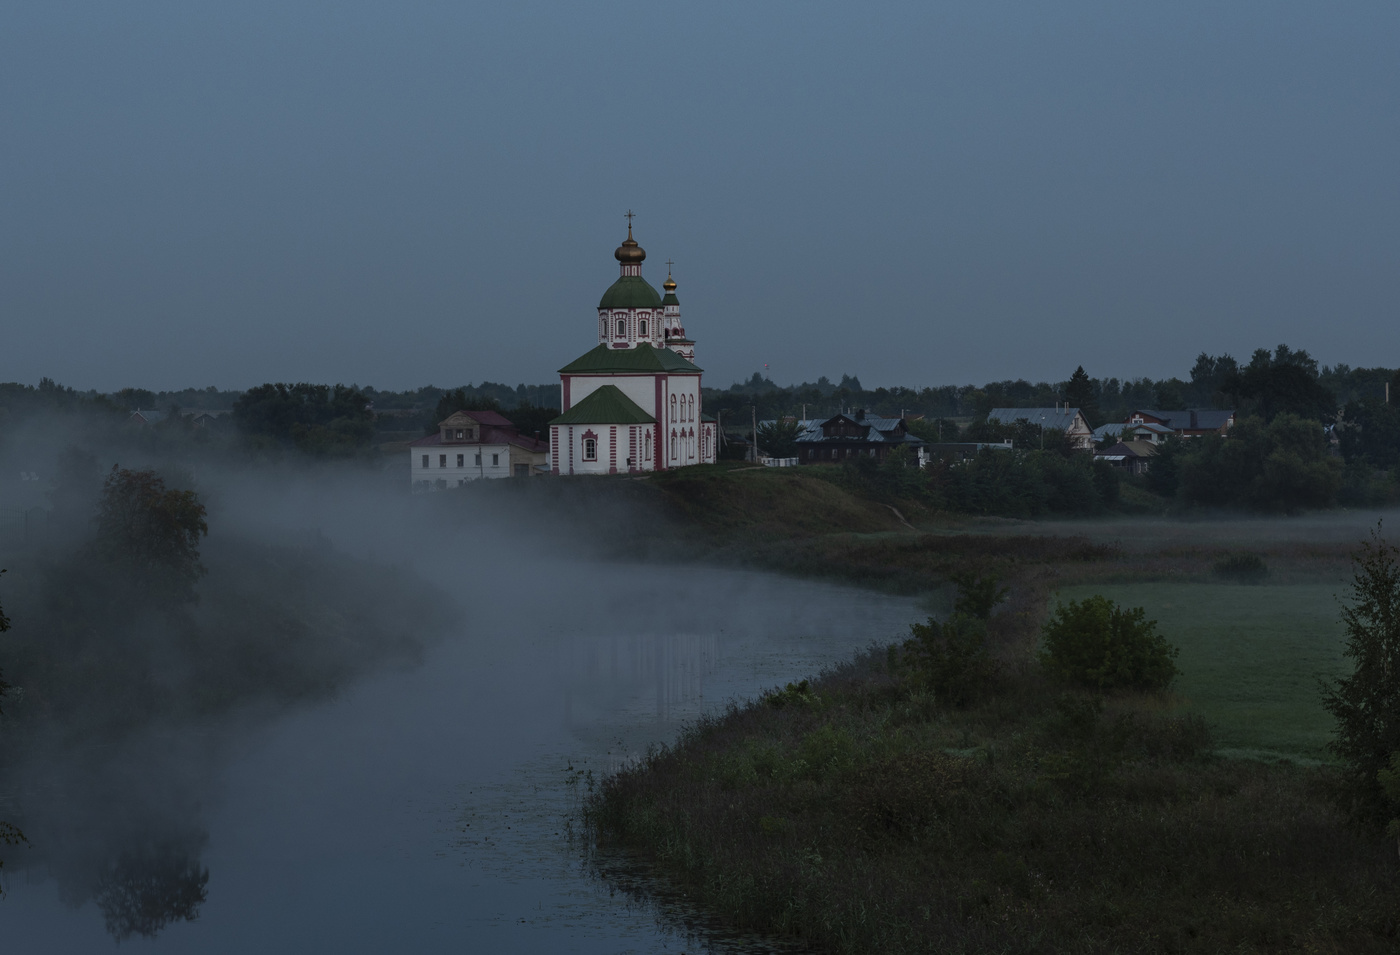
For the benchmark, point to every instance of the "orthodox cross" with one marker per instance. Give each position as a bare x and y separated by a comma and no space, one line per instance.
669,263
630,213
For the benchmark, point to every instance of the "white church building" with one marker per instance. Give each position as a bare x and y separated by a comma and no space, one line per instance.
633,402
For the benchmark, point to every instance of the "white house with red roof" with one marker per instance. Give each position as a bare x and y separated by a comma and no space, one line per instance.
472,445
632,403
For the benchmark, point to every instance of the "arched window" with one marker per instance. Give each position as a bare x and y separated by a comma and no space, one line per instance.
690,403
673,445
621,327
648,447
642,327
590,449
673,410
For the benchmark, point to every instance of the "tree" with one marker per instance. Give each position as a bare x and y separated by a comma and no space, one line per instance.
9,835
1282,466
150,534
317,419
1366,704
778,439
1370,432
1098,644
1079,393
1285,382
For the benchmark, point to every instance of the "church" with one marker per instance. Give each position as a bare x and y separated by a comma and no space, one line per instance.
632,403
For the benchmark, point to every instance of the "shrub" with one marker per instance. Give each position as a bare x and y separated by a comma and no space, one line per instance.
950,658
1095,643
1242,568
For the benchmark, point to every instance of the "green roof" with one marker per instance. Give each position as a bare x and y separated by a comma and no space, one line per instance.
607,405
630,291
642,360
671,299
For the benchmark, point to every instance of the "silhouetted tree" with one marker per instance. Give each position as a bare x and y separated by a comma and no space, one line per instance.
1079,393
778,439
150,533
1285,382
1371,432
1366,704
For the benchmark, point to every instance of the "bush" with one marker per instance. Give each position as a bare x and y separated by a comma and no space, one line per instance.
1242,568
951,658
1095,643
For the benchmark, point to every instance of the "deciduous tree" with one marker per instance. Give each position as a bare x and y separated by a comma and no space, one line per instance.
1366,704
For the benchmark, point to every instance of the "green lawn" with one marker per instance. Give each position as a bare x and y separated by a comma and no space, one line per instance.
1250,657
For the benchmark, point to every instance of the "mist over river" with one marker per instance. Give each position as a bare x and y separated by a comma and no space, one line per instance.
423,809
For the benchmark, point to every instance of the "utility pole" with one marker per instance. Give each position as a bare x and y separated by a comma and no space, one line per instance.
754,410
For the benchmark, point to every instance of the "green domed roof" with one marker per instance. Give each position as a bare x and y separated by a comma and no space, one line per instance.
630,291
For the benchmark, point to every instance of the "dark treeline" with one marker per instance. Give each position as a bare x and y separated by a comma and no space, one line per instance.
1270,383
349,420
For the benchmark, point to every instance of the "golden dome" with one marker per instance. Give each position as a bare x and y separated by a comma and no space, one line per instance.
629,250
670,283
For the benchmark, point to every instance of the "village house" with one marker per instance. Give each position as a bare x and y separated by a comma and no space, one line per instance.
473,445
1066,419
1191,423
1134,457
847,436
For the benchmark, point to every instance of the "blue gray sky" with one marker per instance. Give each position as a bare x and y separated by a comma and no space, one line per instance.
920,194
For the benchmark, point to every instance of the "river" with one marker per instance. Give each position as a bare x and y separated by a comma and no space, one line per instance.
426,808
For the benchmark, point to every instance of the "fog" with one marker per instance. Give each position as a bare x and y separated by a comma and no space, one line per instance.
412,791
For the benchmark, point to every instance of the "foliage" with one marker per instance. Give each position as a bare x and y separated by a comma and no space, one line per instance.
1079,393
1282,466
1098,644
1366,704
1389,779
778,439
320,420
150,533
1242,568
1370,432
978,594
794,694
950,659
1164,472
1031,822
1285,382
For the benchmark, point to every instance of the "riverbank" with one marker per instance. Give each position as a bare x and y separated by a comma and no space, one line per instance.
858,815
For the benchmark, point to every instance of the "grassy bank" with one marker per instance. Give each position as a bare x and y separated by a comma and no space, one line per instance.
858,816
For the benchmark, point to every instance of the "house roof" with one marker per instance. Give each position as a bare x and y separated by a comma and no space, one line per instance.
1061,418
489,436
630,291
1127,449
878,430
492,419
1195,419
644,359
1112,428
607,405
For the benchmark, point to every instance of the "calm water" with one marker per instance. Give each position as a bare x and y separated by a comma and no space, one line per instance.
425,809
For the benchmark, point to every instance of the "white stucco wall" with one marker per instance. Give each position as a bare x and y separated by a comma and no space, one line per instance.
453,473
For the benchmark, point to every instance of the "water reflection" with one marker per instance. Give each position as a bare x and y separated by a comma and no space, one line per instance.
148,886
426,808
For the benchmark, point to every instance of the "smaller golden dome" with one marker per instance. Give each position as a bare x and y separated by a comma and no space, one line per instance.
670,283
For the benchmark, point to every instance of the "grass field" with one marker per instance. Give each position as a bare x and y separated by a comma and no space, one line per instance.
1250,658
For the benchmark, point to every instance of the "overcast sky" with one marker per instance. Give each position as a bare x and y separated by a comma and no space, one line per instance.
407,193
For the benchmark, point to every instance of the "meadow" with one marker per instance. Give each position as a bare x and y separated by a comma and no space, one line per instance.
1251,658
